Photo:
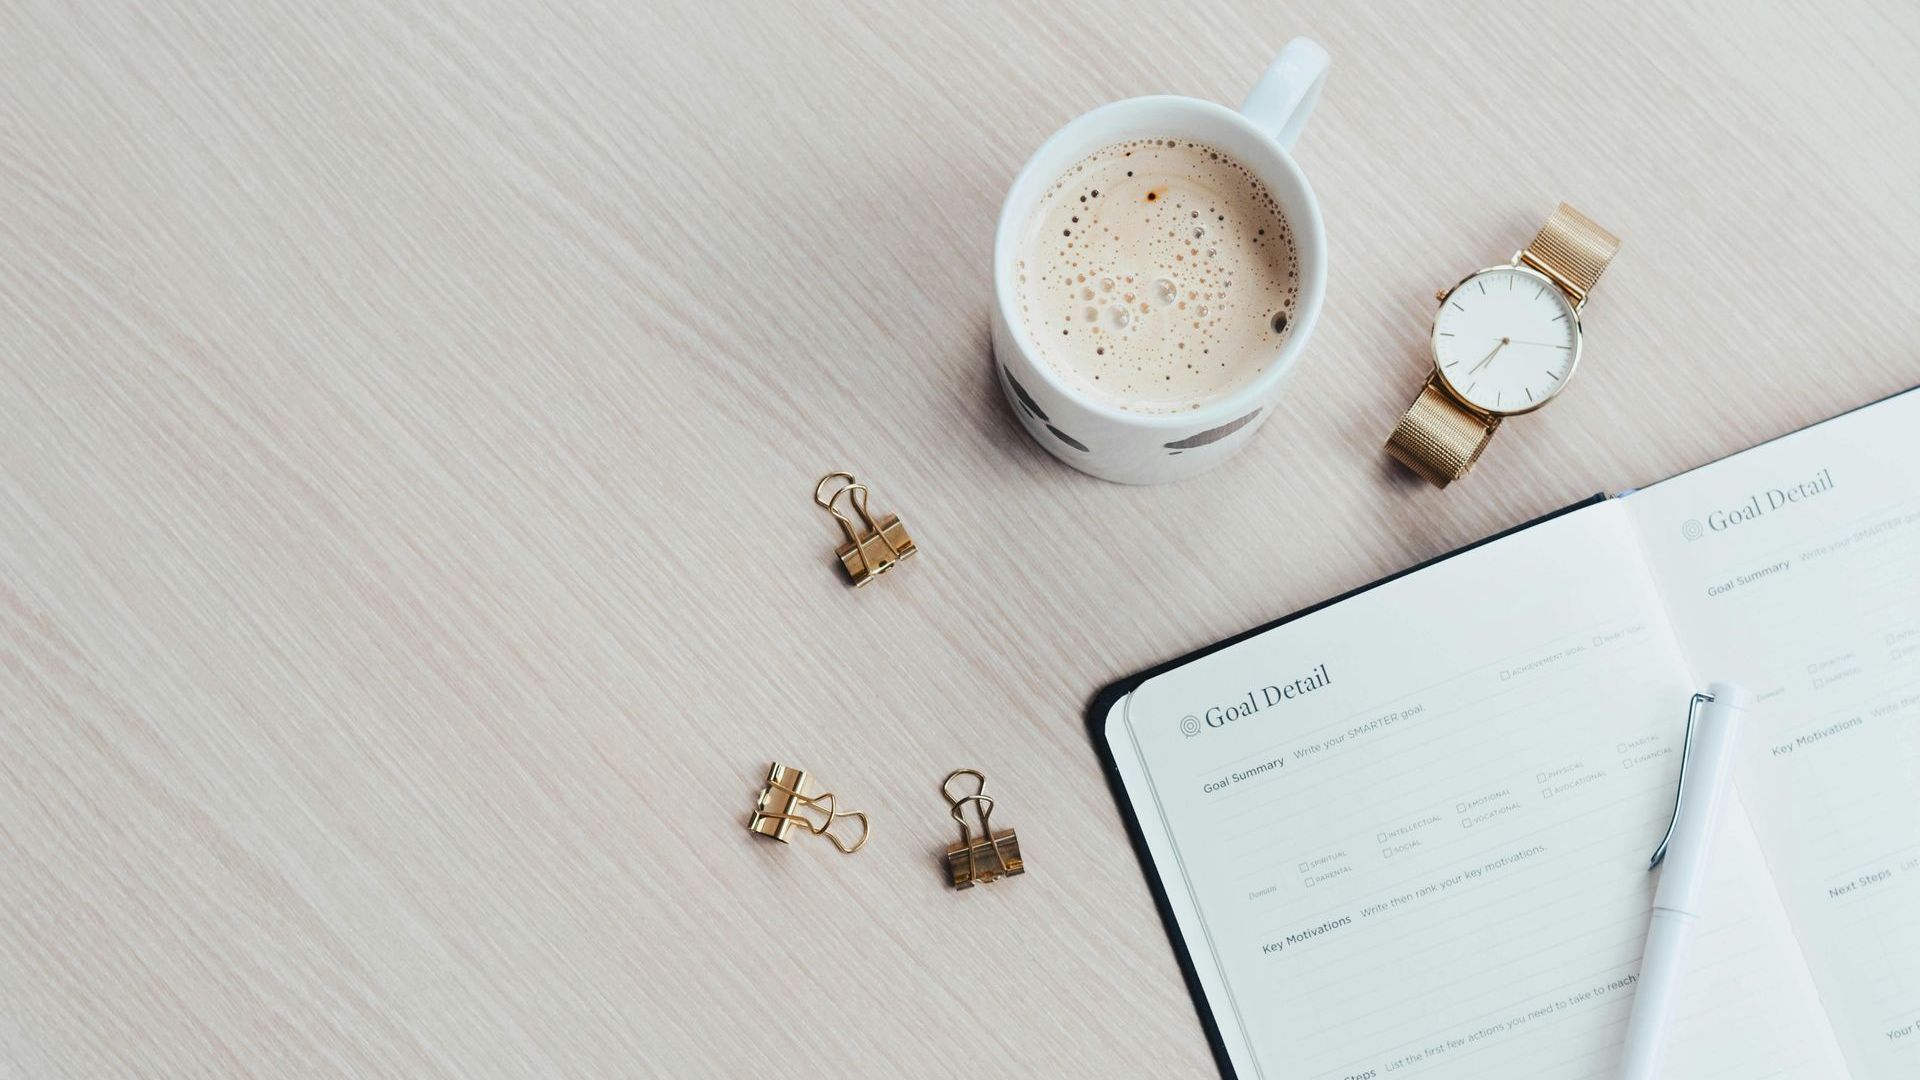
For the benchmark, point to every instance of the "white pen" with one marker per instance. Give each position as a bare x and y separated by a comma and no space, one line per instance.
1706,774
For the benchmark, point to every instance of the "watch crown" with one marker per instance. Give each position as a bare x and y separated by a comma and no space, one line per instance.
1439,296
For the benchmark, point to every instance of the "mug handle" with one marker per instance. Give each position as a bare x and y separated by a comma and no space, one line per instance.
1284,97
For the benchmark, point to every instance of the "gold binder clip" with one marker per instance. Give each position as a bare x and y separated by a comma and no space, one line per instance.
781,801
865,555
994,853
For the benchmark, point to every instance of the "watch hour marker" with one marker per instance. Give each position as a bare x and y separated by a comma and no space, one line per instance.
1483,287
1499,397
1529,394
1560,316
1455,306
1543,288
1446,333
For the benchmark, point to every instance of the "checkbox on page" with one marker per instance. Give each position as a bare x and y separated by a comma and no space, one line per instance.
1466,823
1546,793
1539,778
1459,808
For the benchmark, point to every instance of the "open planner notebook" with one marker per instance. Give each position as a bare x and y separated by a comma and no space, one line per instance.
1405,833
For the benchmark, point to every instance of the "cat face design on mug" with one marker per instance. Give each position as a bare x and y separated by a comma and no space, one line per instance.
1032,413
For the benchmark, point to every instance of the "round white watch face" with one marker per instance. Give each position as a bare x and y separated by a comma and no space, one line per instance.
1505,340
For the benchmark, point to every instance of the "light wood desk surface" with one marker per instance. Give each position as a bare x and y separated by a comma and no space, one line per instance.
408,416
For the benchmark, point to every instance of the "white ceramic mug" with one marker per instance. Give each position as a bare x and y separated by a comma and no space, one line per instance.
1142,448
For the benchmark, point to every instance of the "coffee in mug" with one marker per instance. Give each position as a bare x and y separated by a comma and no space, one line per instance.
1157,276
1158,267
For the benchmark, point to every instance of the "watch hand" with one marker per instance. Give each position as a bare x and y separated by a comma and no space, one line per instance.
1544,344
1504,342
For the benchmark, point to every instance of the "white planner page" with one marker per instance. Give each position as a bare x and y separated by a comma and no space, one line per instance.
1794,569
1407,835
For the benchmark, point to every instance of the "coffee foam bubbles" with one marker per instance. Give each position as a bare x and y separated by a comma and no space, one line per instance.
1157,275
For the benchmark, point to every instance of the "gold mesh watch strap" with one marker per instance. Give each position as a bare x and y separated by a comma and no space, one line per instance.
1438,438
1571,250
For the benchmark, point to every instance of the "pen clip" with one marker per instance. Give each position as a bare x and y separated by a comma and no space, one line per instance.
1680,788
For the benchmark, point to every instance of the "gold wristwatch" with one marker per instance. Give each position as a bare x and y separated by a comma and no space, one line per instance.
1505,340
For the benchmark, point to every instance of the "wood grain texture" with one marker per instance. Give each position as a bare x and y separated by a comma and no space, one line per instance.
407,422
